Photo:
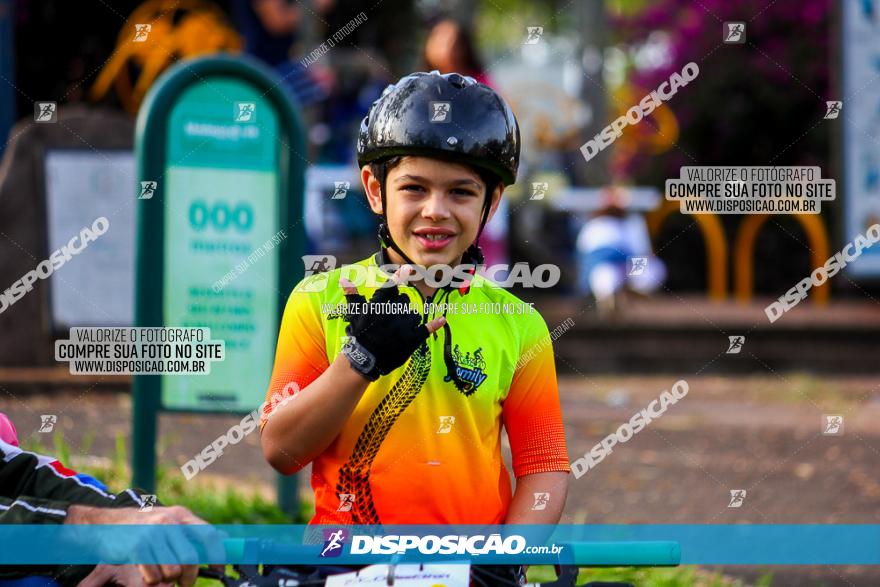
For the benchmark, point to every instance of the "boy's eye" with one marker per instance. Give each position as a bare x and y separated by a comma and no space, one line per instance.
413,187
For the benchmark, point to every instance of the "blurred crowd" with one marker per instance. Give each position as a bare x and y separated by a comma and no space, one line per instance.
558,95
334,90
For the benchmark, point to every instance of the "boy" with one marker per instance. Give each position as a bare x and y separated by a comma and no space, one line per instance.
399,428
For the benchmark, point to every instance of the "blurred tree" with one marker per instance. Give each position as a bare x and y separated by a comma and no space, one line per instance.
501,24
751,103
758,103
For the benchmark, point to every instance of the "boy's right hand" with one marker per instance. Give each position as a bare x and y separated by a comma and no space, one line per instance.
383,337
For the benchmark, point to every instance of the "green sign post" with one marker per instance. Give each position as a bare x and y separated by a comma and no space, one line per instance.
221,169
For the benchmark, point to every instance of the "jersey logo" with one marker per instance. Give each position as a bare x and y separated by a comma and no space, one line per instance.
469,367
335,314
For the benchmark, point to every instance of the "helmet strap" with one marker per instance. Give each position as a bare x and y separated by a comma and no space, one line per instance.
385,238
474,254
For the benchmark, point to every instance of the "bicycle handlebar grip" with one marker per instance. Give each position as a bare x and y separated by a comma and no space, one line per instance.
625,554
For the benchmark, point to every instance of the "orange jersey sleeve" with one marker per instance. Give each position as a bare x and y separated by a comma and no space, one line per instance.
301,354
531,411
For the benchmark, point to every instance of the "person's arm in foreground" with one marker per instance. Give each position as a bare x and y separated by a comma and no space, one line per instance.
299,428
184,575
37,489
29,510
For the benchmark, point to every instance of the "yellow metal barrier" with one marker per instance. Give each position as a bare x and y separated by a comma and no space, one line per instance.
716,245
744,254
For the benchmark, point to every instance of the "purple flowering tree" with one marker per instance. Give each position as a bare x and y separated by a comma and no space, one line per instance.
752,103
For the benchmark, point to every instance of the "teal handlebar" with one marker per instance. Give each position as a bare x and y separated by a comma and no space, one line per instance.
623,554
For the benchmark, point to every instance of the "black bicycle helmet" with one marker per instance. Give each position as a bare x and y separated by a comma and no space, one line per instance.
409,118
447,116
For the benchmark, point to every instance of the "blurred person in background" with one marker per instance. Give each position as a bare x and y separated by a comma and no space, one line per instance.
449,48
270,29
606,246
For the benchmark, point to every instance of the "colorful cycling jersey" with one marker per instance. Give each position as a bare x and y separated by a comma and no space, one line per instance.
416,450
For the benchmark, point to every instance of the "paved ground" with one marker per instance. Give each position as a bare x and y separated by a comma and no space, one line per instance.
762,434
691,310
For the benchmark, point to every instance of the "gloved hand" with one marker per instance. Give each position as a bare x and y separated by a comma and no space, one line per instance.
383,332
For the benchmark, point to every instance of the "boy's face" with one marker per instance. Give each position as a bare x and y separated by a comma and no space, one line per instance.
434,208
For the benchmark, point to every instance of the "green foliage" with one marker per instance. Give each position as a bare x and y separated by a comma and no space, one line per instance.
650,577
496,32
219,507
